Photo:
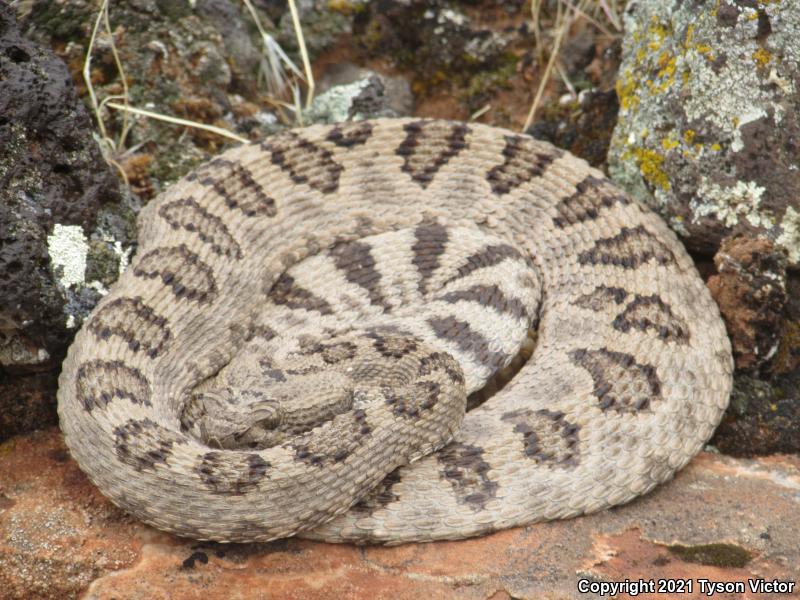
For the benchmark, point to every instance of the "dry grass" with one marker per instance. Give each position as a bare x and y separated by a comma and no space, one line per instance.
177,121
286,84
280,75
552,21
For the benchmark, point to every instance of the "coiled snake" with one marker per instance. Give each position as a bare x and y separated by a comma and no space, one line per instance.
305,317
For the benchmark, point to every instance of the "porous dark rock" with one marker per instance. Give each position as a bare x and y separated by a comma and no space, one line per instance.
760,301
200,61
787,358
56,194
431,34
323,21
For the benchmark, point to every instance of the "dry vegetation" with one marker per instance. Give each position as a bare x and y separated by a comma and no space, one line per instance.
290,89
552,27
281,76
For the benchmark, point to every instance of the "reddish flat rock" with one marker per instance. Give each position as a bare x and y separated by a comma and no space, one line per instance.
721,519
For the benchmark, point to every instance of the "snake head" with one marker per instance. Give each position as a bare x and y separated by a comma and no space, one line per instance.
238,419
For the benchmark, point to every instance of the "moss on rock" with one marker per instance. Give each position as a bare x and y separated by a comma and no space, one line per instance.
713,555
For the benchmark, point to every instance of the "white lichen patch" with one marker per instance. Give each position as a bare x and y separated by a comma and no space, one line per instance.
790,238
334,105
452,16
730,204
746,116
478,47
676,224
743,101
98,287
123,254
68,247
16,351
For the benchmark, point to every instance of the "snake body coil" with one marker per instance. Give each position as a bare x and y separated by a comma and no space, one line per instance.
292,347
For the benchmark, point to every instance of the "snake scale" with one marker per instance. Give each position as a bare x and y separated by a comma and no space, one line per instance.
291,350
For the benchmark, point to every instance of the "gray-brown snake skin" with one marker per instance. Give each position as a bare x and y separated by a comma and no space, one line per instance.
306,315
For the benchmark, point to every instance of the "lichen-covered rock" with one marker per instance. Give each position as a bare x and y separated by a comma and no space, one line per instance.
368,95
709,135
396,97
60,211
710,118
750,289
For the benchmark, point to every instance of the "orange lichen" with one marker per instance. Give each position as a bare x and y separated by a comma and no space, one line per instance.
627,91
669,143
762,56
649,163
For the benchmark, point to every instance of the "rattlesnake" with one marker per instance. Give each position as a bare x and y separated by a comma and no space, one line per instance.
305,316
